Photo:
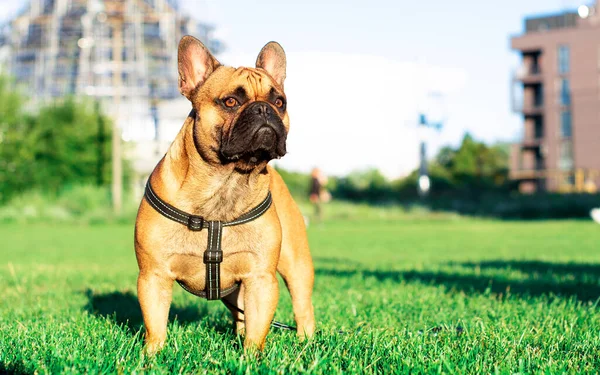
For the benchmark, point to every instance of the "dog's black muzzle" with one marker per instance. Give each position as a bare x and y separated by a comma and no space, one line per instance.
257,135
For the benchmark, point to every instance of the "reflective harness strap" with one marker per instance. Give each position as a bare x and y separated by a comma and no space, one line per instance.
213,256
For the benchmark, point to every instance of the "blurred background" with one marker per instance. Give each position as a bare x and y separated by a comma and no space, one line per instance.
444,153
480,109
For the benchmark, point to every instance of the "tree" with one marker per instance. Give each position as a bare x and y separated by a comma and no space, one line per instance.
64,143
70,145
475,164
15,153
367,185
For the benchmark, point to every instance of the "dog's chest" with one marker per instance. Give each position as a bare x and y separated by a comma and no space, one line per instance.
246,249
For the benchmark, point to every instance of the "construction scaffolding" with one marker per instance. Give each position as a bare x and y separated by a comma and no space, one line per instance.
67,47
121,53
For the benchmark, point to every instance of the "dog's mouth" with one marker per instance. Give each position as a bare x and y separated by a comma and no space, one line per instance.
266,143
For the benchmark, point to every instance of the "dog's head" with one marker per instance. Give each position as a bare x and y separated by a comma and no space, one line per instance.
241,114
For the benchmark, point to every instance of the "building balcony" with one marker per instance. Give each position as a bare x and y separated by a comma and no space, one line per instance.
562,181
528,174
529,109
526,160
529,143
528,74
530,171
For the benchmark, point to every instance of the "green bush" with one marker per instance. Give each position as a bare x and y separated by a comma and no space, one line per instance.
66,142
82,199
538,206
476,198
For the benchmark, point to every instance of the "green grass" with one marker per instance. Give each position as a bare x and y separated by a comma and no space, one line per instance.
412,293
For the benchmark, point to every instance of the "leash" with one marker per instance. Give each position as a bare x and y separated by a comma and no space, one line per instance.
213,256
273,323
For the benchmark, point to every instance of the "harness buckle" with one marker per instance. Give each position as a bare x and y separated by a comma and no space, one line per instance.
213,256
195,223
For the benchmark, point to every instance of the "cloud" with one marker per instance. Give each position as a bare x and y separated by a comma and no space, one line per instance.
352,112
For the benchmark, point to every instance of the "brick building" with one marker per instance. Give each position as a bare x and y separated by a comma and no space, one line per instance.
557,90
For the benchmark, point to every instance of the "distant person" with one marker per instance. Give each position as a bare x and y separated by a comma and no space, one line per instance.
318,194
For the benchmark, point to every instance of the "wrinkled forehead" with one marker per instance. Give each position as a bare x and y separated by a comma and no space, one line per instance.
254,82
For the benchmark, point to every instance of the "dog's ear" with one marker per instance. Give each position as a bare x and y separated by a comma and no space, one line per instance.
195,63
272,59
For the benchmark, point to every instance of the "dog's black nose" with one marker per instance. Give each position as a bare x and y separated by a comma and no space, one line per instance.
260,109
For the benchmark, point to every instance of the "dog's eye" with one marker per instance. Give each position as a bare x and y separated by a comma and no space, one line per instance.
278,103
230,102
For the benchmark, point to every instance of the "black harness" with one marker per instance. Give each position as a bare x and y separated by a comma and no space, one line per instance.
213,256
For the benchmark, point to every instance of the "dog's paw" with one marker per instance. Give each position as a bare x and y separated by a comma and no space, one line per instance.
153,347
253,348
306,329
302,336
239,328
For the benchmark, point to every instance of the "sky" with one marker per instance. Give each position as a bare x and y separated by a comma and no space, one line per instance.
359,72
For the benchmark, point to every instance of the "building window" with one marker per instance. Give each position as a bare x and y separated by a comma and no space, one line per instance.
538,96
565,124
538,131
535,65
563,59
565,161
104,53
152,30
539,161
565,92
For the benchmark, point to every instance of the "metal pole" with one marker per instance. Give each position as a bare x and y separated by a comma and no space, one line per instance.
423,182
154,114
423,165
101,139
117,167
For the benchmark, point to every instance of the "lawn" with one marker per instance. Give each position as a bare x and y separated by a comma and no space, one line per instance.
395,293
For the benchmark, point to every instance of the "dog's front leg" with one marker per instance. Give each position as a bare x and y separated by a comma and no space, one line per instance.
237,299
154,294
261,295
